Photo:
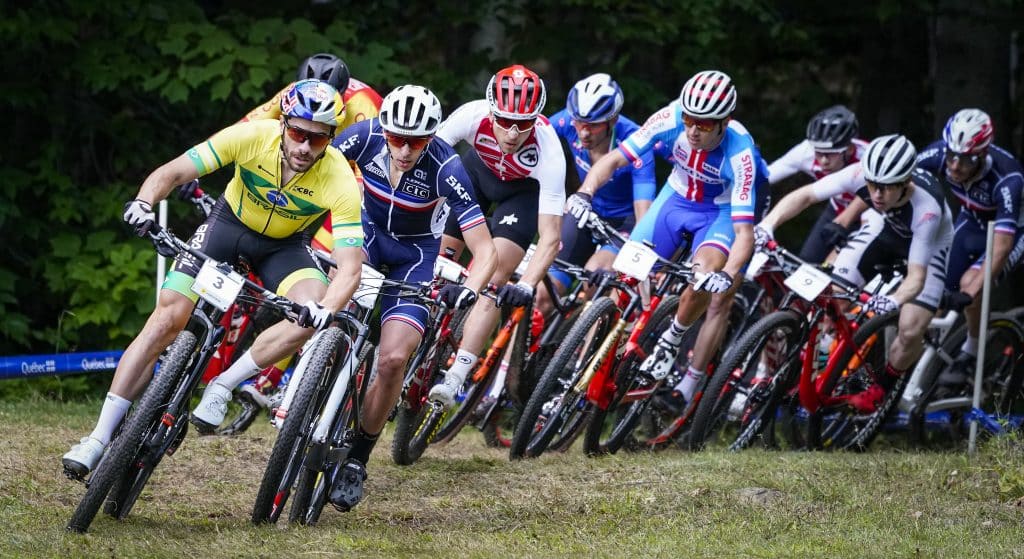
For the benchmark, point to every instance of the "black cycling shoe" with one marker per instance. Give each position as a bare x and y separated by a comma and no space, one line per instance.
348,488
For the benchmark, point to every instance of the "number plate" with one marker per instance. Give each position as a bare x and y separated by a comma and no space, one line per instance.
369,287
521,268
756,263
635,260
808,282
215,286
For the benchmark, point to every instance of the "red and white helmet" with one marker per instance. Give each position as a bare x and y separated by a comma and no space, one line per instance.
708,94
968,131
516,92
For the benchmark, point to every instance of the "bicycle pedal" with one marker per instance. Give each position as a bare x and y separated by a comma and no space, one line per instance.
75,475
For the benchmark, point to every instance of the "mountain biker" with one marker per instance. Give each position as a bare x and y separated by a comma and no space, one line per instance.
987,182
412,181
592,126
286,176
518,165
713,195
830,145
908,219
362,102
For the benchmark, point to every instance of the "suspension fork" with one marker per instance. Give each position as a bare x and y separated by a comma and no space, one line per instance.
500,342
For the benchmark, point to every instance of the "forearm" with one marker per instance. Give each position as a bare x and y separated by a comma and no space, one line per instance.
788,207
640,207
911,285
543,255
346,279
162,181
485,261
741,251
851,213
601,171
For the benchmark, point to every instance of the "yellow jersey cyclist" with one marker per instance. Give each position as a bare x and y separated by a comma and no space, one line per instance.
362,102
286,177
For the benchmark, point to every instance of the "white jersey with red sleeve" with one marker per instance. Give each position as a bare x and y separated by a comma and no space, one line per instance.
539,158
801,159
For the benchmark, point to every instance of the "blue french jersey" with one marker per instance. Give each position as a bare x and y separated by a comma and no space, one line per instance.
723,177
995,195
635,182
416,206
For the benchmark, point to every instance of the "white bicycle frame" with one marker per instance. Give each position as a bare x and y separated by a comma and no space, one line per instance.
912,393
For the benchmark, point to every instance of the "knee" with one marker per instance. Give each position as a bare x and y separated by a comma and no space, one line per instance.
391,365
720,303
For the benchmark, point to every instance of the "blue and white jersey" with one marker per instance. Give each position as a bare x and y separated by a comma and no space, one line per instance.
635,182
722,177
415,207
995,194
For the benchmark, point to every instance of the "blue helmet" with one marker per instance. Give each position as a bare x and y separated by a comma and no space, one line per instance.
596,98
313,100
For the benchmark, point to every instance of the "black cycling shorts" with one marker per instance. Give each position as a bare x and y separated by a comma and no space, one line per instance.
515,203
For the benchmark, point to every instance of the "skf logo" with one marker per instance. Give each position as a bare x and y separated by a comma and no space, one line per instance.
1007,202
528,156
348,143
458,188
420,174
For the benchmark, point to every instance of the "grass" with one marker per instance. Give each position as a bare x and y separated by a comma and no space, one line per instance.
466,500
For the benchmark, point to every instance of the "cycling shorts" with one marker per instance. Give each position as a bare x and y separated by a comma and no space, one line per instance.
409,260
968,251
511,206
874,244
279,263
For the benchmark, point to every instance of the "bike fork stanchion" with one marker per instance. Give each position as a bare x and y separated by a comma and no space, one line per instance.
982,334
161,260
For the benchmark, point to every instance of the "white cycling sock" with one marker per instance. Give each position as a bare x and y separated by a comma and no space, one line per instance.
464,362
688,385
674,334
243,368
970,346
113,411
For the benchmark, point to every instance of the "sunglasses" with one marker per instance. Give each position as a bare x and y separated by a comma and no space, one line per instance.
970,159
592,126
317,140
521,125
884,187
414,142
702,124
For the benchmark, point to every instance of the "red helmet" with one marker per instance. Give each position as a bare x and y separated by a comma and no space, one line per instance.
516,92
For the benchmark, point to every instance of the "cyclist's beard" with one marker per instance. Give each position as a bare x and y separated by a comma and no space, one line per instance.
297,161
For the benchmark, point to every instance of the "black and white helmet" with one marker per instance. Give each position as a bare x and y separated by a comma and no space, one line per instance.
889,159
832,129
410,110
708,94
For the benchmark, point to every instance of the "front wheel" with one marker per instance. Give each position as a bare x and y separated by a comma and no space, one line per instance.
127,445
290,448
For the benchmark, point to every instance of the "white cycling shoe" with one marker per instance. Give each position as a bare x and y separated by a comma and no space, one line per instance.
82,457
660,362
445,392
212,408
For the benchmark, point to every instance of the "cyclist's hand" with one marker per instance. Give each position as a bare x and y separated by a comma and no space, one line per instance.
594,277
579,207
313,315
514,295
761,237
716,282
881,304
834,235
188,190
139,215
456,296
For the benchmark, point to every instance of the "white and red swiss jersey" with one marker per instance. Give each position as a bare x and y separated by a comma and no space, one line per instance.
540,157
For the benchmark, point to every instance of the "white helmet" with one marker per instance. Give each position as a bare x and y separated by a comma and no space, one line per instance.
596,98
968,131
410,110
708,94
889,159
